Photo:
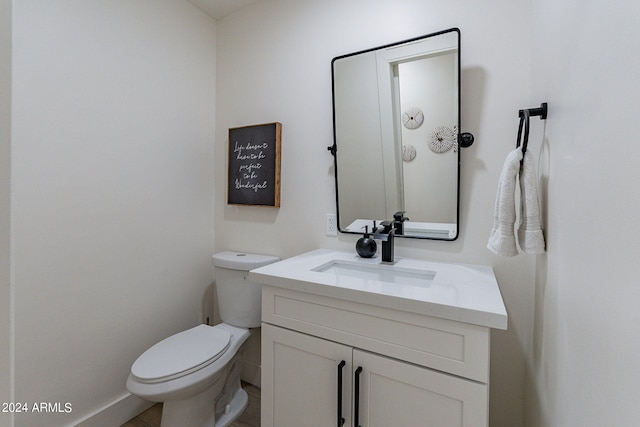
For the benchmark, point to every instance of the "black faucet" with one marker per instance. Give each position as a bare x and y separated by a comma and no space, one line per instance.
385,232
398,222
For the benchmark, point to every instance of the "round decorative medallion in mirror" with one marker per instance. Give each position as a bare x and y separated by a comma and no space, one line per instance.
442,139
412,118
408,153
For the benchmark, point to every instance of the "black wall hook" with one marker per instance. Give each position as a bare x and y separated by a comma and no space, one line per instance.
524,120
541,111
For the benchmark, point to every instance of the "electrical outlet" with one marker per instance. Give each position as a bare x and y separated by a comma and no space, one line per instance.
332,225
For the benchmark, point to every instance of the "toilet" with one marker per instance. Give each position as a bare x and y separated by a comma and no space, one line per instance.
196,373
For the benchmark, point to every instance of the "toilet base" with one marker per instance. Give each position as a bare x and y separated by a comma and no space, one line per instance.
217,406
236,407
175,413
176,417
198,410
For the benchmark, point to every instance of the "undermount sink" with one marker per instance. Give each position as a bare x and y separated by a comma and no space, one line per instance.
378,272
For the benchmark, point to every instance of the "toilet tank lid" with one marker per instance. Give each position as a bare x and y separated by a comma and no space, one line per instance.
242,260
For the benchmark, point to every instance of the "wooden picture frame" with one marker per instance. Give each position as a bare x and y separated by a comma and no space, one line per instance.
254,165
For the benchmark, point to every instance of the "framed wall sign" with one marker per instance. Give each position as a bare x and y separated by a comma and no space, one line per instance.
254,165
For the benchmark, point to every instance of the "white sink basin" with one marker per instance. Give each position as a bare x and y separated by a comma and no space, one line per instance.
379,272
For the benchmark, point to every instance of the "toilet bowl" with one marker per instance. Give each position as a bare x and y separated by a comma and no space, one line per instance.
196,373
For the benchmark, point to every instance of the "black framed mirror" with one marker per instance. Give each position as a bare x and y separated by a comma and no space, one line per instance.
396,117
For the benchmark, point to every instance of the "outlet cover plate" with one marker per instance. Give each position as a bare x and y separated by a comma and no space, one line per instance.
332,225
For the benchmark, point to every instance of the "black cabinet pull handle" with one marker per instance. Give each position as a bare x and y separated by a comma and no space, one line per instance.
340,419
356,398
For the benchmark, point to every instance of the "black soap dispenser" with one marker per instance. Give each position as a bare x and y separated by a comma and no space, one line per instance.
366,246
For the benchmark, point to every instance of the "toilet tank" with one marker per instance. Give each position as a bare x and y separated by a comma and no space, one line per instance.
239,299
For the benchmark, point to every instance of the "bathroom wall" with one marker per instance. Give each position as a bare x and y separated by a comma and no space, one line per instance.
274,65
583,368
112,193
5,225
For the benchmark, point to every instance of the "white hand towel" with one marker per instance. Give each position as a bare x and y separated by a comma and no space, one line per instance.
502,240
530,235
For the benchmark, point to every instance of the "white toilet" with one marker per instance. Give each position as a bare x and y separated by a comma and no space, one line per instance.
196,373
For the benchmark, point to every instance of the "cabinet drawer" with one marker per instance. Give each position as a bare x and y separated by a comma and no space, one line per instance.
458,348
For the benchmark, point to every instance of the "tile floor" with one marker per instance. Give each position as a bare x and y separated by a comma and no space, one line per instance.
249,418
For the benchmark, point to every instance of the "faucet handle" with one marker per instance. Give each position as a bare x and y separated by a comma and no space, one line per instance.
399,216
387,226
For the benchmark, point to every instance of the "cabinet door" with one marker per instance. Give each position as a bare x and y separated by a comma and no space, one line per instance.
399,394
300,376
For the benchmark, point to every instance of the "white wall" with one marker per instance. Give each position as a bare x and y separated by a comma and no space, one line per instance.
5,203
112,181
584,359
274,65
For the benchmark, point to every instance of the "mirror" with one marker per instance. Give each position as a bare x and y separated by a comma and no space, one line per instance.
396,115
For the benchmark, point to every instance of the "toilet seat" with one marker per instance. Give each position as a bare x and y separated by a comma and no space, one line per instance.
181,354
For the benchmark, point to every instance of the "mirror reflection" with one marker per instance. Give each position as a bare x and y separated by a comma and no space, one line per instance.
396,122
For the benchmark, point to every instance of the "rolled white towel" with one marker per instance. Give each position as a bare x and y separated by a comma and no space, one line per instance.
502,240
530,236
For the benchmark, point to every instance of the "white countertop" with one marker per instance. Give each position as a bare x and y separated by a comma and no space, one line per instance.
460,292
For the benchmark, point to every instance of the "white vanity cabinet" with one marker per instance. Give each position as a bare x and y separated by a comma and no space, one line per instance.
407,345
352,363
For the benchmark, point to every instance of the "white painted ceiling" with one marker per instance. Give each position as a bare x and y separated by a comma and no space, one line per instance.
220,8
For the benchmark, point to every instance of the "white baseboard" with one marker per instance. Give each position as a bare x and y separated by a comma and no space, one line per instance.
115,413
